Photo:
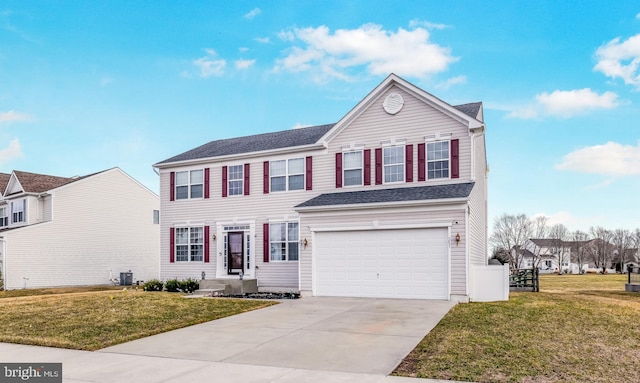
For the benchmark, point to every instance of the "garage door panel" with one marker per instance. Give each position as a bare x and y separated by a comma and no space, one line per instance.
404,263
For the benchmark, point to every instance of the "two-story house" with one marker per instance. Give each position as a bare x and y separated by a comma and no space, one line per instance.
71,231
390,201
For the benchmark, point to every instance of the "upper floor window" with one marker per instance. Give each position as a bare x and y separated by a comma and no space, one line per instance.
189,184
353,168
393,164
189,243
438,160
287,174
156,217
4,217
18,210
284,241
236,180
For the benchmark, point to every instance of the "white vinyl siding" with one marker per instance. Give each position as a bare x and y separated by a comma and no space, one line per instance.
86,242
478,224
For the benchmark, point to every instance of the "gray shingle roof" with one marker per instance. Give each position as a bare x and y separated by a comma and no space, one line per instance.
470,109
418,193
256,143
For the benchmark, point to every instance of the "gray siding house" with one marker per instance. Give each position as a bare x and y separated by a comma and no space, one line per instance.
390,201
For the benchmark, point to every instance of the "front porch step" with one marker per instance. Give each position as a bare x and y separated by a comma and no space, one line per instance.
208,292
230,286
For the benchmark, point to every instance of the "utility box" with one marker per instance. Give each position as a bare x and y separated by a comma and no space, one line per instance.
126,279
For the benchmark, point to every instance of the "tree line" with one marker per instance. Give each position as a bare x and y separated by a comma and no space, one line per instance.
601,247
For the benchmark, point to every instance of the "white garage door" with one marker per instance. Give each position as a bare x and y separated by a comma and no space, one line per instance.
403,263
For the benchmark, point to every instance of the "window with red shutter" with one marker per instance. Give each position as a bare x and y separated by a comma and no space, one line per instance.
172,185
455,160
338,170
206,244
172,245
265,177
308,173
408,163
421,162
247,179
265,243
367,166
379,166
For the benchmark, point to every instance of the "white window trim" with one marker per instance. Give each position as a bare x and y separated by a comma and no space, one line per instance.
344,166
287,174
189,184
404,163
189,244
286,222
229,180
426,159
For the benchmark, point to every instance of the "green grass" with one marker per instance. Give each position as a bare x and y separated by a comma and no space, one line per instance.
577,329
94,320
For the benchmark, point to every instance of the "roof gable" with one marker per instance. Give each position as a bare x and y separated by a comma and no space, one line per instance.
33,183
459,114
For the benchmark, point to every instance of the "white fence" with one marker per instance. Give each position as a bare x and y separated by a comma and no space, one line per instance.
489,283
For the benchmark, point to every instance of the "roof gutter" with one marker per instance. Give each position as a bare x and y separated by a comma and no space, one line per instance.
262,153
361,206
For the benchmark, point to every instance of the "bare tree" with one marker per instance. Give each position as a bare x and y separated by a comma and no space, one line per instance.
539,229
511,233
623,240
558,234
601,250
578,248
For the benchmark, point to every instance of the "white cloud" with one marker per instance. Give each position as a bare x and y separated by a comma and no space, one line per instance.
252,13
427,24
332,54
620,59
208,66
244,64
12,151
566,103
299,126
263,40
243,49
600,185
11,116
451,82
105,81
571,221
610,159
638,16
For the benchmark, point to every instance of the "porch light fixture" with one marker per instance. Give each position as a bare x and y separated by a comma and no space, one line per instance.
213,237
305,243
457,239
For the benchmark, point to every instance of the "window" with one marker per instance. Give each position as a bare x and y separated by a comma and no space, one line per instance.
156,217
236,181
4,217
189,244
18,211
287,174
284,241
438,160
352,168
393,164
189,184
529,262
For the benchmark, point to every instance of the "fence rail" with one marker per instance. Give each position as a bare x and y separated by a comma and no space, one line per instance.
524,279
634,276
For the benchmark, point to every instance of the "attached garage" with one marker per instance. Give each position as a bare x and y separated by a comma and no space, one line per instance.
383,263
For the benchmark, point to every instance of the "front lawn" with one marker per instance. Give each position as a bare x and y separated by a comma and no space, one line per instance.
576,329
94,320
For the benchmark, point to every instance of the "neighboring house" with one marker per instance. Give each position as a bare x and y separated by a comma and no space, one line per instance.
390,201
58,231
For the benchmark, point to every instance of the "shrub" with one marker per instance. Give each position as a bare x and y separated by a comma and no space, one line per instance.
153,285
189,285
172,285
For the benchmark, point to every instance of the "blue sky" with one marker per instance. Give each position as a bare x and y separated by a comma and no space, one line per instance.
89,85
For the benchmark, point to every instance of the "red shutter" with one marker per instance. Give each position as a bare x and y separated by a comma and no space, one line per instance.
224,181
172,244
206,244
246,179
379,166
338,170
172,185
308,180
367,166
265,242
408,176
265,177
206,182
455,160
421,163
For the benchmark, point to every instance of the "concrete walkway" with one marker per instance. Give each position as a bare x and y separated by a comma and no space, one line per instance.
306,340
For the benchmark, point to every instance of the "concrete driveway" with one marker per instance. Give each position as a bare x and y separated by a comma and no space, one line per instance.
355,335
